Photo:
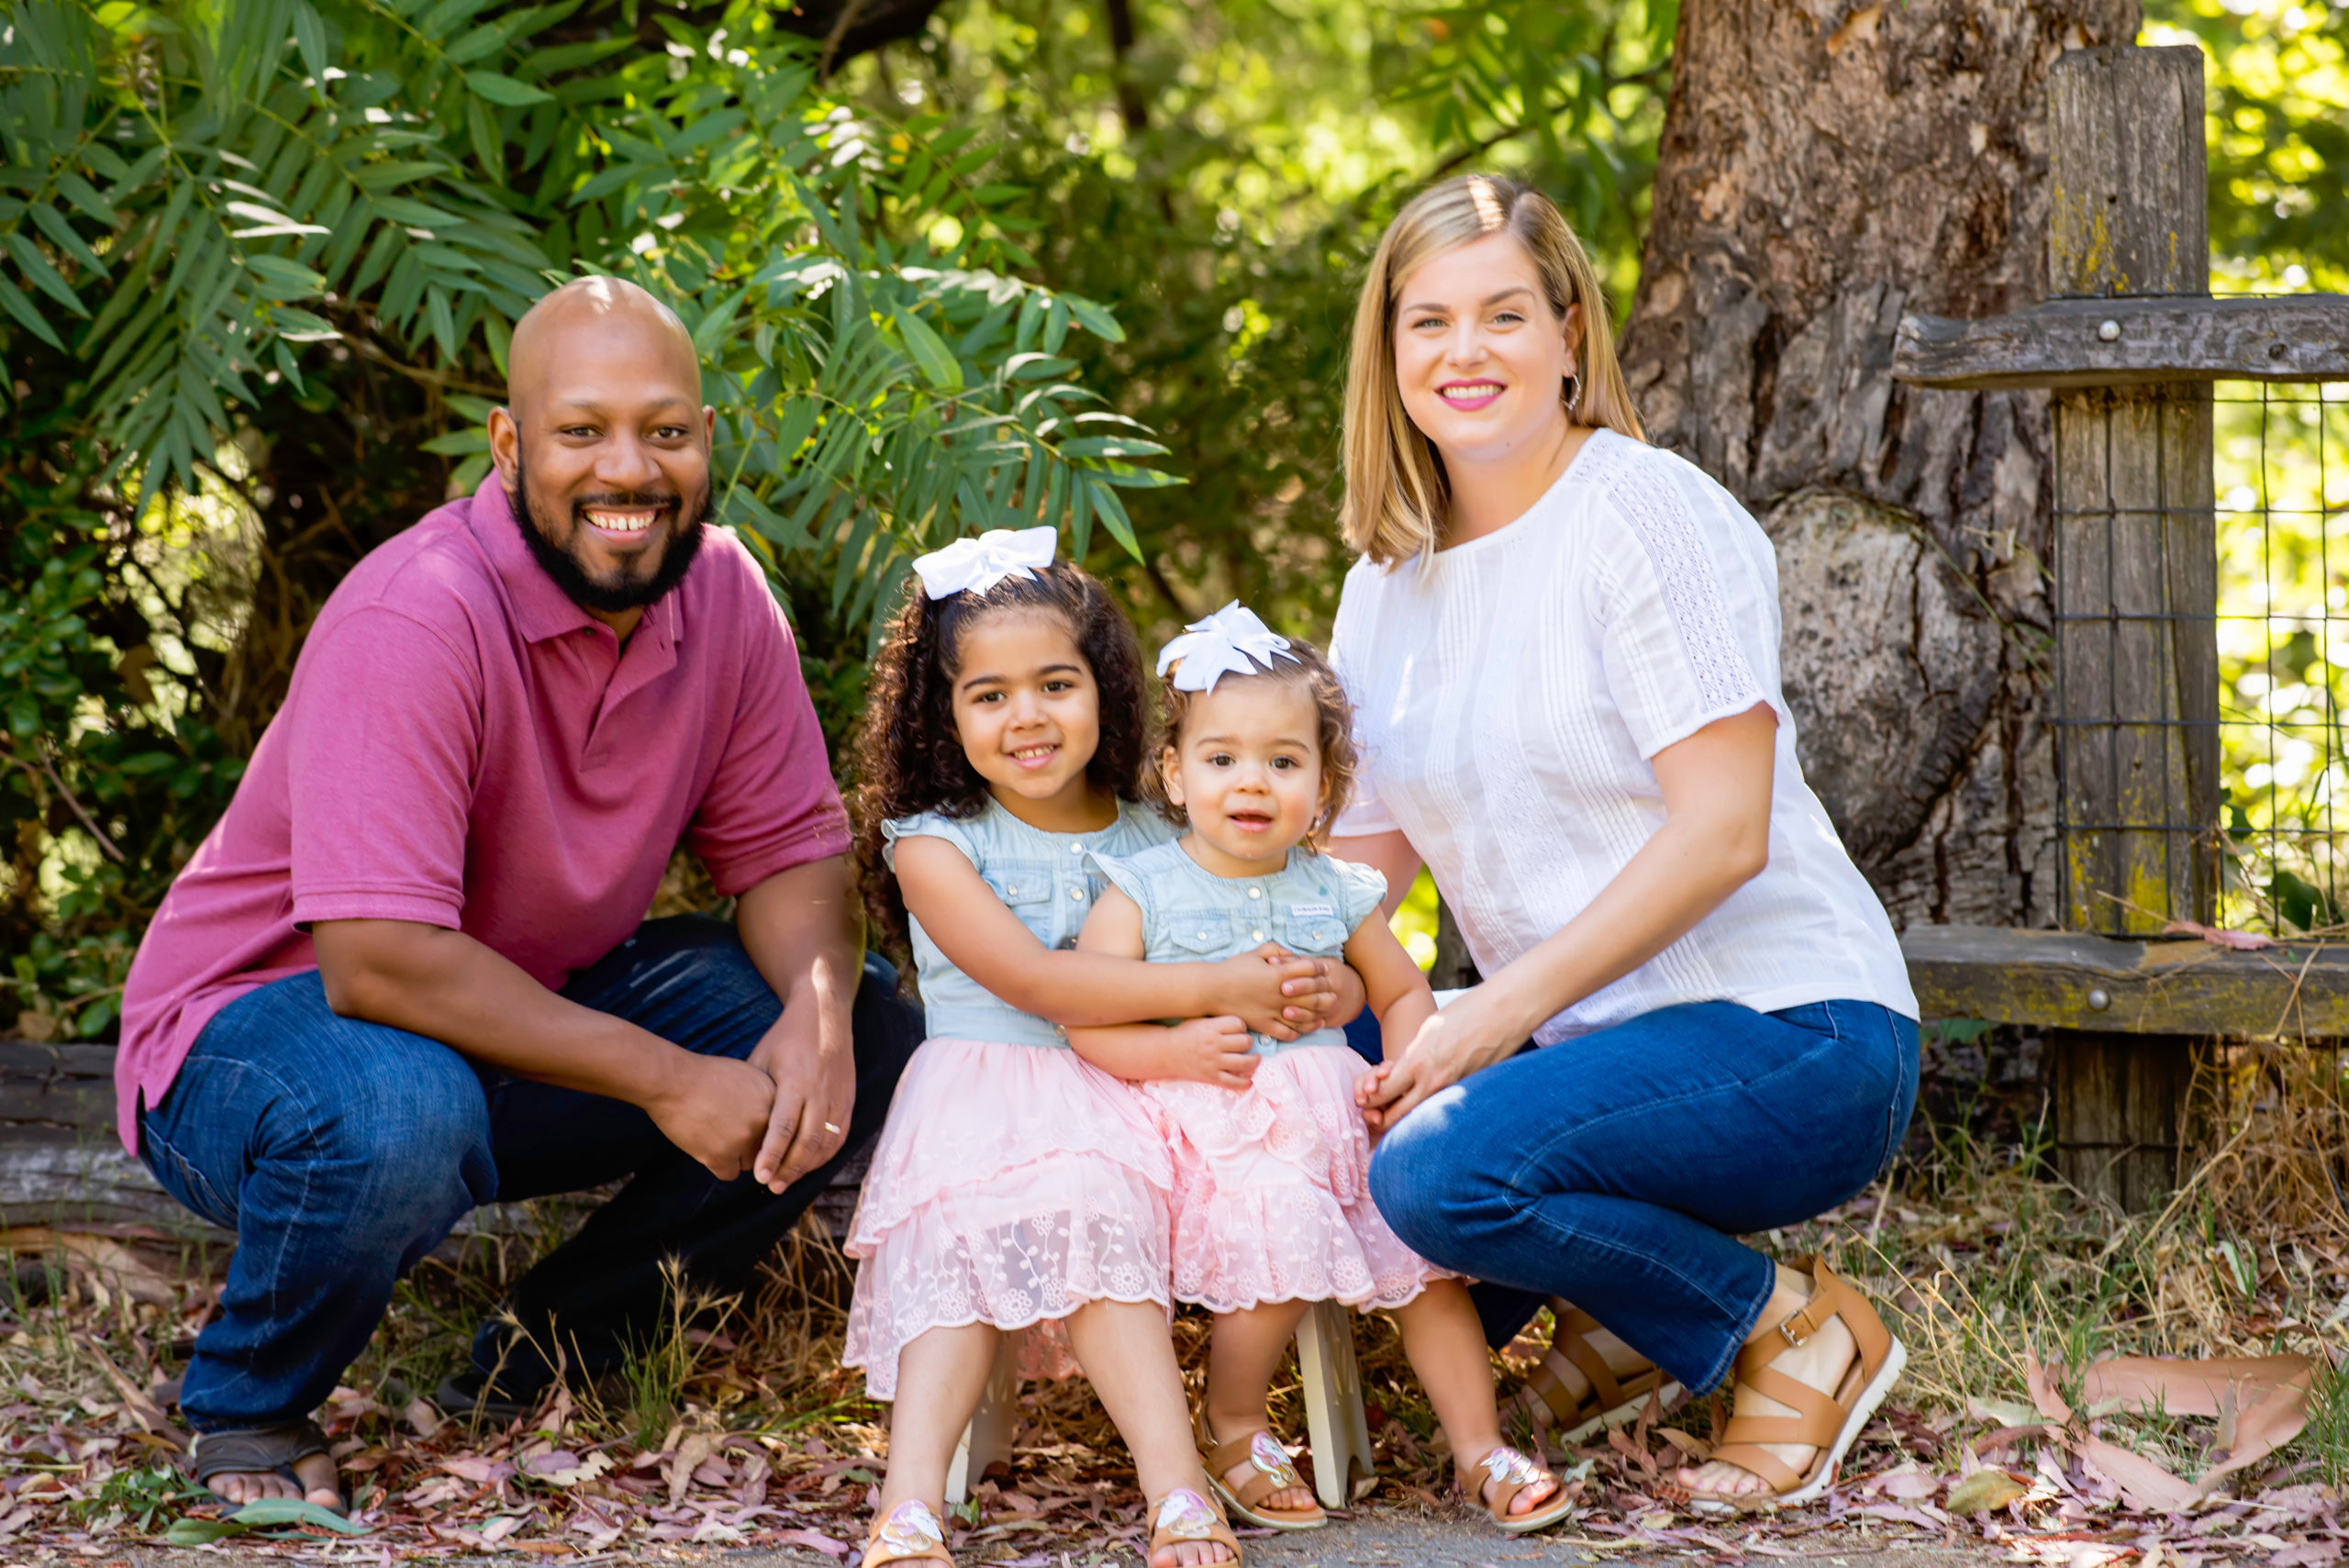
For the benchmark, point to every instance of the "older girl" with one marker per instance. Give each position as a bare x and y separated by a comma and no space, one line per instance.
1014,1187
1561,645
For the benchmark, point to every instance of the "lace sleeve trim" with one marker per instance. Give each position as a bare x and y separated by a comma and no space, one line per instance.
1659,517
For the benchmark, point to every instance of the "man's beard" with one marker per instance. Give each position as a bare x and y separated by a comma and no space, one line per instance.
608,595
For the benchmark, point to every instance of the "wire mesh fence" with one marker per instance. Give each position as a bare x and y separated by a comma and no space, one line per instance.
2281,458
2175,800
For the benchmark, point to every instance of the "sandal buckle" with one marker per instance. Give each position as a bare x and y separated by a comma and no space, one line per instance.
1786,1331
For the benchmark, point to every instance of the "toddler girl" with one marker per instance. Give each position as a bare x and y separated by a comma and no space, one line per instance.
1272,1207
1015,1187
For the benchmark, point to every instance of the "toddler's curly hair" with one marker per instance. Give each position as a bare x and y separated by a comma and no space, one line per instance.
909,753
1310,673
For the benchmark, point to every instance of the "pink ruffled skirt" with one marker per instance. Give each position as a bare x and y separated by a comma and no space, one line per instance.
1272,1191
1011,1185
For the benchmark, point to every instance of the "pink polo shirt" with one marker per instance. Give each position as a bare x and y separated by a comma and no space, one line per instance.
464,747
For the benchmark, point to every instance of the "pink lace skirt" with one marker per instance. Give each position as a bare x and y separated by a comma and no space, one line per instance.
1011,1185
1272,1194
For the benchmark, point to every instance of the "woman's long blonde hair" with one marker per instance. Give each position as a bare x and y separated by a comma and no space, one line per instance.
1398,498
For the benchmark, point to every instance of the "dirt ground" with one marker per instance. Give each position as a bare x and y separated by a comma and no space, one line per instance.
1375,1540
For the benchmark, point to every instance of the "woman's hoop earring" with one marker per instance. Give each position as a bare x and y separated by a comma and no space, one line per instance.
1572,395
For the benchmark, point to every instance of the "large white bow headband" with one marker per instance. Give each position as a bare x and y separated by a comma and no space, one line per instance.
1232,641
980,563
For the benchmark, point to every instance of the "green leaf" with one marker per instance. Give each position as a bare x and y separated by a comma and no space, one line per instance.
12,299
459,443
275,1513
1111,446
1028,367
484,40
930,352
85,198
61,233
310,40
504,91
280,279
1094,319
41,273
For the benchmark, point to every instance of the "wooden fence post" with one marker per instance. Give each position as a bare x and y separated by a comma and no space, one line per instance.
2136,592
2136,557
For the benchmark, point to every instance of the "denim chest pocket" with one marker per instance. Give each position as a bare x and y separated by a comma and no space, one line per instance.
1316,936
1021,882
1199,932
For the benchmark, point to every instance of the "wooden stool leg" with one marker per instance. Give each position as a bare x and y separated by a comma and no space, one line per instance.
1332,1383
987,1440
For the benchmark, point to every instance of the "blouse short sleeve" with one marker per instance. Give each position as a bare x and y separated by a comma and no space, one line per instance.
1360,889
1125,879
929,825
1688,607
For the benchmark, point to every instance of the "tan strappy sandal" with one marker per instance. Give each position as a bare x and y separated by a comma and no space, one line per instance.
1609,1401
1183,1514
1508,1473
907,1533
1826,1422
1273,1471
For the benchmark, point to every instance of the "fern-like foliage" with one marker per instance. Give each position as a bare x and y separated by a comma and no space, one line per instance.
196,196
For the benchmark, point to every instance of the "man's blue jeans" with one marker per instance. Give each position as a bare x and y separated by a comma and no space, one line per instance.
1618,1168
341,1152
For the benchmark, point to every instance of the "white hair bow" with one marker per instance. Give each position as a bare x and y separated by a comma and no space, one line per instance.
980,563
1232,641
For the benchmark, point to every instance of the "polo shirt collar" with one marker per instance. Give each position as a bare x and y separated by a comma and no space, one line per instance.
543,610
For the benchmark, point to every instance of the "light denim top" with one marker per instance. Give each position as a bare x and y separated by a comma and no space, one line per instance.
1046,879
1189,915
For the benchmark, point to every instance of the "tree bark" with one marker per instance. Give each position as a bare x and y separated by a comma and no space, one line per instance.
1825,165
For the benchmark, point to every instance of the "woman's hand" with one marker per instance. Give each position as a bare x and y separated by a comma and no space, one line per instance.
1475,1029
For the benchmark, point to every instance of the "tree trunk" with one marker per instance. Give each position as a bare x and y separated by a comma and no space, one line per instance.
1827,164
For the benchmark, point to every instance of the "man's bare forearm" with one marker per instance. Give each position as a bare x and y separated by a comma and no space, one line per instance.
446,986
803,930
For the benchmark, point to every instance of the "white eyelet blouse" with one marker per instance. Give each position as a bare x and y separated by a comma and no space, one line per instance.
1510,691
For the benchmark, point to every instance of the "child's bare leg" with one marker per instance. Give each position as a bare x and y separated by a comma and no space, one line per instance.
940,1378
1126,1353
1446,1347
1241,1358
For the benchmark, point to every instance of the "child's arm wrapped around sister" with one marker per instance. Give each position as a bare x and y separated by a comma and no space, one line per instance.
986,941
1207,1050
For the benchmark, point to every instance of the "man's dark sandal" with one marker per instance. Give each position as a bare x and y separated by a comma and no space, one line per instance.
260,1451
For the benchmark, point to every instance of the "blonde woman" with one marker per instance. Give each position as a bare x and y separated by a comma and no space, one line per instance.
1562,647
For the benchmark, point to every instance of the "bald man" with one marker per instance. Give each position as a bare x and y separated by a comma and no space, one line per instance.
409,972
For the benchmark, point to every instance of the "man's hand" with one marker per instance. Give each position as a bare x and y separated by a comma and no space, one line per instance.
1255,988
715,1110
808,1055
1211,1051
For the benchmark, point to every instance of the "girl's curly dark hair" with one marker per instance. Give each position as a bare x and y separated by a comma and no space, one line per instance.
909,755
1311,674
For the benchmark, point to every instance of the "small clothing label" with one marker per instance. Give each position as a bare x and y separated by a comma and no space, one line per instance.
1312,911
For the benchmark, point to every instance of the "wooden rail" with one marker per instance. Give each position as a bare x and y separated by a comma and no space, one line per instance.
2130,342
2064,980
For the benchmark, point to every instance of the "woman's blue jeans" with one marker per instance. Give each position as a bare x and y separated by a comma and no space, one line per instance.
341,1152
1618,1168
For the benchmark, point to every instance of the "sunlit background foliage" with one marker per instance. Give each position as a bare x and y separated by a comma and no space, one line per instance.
262,256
